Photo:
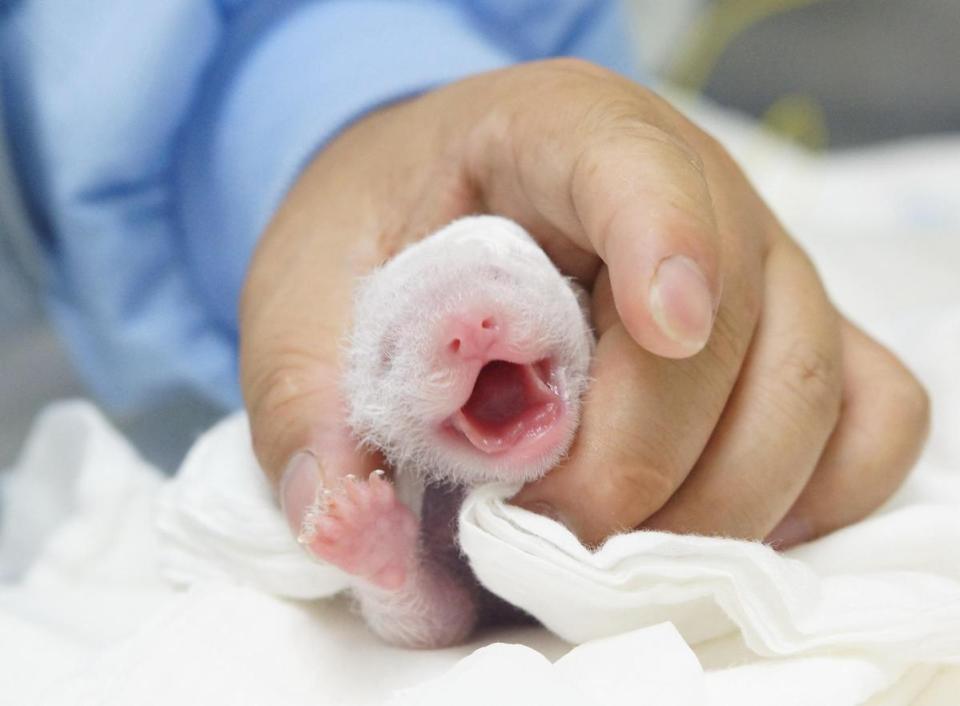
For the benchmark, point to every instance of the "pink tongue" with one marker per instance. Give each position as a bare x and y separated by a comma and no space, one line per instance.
509,401
499,394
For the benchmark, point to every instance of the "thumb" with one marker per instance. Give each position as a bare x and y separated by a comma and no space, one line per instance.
299,432
293,315
623,184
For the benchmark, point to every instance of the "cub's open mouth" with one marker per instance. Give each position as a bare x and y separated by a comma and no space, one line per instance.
510,403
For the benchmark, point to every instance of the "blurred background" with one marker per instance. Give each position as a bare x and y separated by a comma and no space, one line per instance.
827,74
831,74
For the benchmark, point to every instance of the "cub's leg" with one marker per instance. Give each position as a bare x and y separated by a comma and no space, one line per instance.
407,596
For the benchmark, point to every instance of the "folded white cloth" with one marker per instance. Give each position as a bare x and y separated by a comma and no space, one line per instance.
218,520
93,622
144,590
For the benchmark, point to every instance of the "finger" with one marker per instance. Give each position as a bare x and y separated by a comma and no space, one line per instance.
336,224
645,422
884,422
620,184
294,311
777,422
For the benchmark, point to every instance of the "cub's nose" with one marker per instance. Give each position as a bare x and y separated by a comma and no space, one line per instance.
470,336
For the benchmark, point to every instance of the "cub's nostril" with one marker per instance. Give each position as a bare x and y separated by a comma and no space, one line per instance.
468,336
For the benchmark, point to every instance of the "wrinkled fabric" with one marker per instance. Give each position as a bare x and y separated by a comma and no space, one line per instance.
155,139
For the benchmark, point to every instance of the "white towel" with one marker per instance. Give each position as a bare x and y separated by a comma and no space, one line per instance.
153,591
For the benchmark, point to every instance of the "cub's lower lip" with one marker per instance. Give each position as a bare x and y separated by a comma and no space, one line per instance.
510,403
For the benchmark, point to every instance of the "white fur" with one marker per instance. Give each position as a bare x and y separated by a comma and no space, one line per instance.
395,390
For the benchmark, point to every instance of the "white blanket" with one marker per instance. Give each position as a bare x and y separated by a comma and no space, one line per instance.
135,589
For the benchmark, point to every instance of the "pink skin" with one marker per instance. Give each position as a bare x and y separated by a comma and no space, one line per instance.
466,363
411,584
367,532
510,406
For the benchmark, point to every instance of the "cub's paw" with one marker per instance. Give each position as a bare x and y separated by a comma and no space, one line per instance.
363,528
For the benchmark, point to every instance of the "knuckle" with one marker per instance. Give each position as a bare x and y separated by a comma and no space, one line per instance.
276,391
728,343
655,158
276,396
812,376
638,492
679,150
618,109
624,121
644,471
275,384
267,410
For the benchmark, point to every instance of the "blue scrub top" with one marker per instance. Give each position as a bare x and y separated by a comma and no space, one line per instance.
154,139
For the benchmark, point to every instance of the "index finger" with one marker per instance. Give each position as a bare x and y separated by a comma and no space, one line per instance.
608,173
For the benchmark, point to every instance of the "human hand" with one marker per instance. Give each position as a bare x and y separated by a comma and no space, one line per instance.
728,395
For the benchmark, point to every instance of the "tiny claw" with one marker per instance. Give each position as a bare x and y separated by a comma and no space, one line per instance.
316,510
382,489
350,478
379,473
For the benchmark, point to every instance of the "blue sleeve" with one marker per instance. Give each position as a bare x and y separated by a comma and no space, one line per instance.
155,139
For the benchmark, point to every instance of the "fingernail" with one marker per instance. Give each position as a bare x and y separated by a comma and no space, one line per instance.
790,532
681,302
301,494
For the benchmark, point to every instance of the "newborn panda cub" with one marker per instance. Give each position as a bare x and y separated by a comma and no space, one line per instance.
466,364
